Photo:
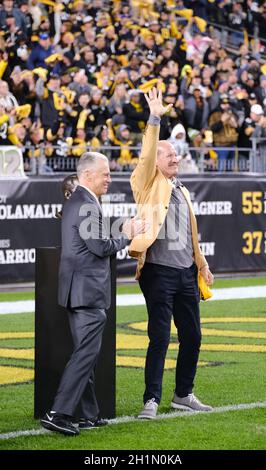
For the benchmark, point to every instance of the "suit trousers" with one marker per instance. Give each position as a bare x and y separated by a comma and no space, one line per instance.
171,292
76,387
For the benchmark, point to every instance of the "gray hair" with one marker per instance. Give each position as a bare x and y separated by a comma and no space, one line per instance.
89,160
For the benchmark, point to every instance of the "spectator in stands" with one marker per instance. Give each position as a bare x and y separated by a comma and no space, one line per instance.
259,164
79,143
252,99
224,125
260,91
21,52
135,113
69,185
36,14
237,19
118,99
5,69
202,153
12,35
196,110
98,106
4,124
96,47
134,61
18,85
247,132
101,49
125,157
61,142
7,99
88,63
8,10
40,52
17,135
36,151
24,8
50,101
80,83
178,141
103,140
146,71
122,77
261,18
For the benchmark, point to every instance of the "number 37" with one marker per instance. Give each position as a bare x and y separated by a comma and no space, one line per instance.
253,242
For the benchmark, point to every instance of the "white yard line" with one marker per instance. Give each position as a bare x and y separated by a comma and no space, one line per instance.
25,306
132,419
18,306
218,294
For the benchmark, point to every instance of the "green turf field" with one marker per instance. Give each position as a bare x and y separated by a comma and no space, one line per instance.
231,372
134,288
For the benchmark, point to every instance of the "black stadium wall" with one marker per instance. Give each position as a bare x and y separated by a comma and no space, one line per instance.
230,209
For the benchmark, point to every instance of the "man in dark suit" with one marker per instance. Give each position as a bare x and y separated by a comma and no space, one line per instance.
84,289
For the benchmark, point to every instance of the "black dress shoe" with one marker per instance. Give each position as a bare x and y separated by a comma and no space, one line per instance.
92,424
59,423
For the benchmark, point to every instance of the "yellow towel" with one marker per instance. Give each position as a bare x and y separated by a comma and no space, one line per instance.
23,111
53,58
201,23
186,13
204,290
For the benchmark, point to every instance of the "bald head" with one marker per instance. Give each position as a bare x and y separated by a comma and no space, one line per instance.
167,159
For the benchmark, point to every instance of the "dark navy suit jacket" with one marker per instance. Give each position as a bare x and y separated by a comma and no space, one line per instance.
84,273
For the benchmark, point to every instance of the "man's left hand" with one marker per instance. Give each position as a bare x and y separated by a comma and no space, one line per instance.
207,275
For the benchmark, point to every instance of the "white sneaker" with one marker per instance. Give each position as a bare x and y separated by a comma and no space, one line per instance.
190,403
150,410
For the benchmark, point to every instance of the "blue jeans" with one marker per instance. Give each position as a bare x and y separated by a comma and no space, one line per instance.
225,160
237,38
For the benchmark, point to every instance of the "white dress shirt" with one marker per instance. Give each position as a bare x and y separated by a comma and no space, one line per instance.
93,194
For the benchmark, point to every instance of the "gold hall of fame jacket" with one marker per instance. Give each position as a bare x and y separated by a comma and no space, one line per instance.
152,193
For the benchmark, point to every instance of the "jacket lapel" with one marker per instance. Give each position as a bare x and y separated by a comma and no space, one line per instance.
90,197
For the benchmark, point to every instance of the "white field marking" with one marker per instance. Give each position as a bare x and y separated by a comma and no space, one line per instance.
229,293
132,419
123,300
18,306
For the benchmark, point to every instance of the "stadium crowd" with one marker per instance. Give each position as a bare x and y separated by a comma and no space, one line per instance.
73,74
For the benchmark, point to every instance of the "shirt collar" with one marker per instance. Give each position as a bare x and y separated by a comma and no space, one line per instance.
176,182
92,193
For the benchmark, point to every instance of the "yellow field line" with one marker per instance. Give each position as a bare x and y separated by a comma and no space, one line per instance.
254,348
142,326
141,342
234,333
10,375
124,341
16,335
17,353
133,361
233,320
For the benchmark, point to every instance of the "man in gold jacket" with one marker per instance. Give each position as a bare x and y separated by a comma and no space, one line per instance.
169,258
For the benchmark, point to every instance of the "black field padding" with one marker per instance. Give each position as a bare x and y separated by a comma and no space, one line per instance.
53,343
